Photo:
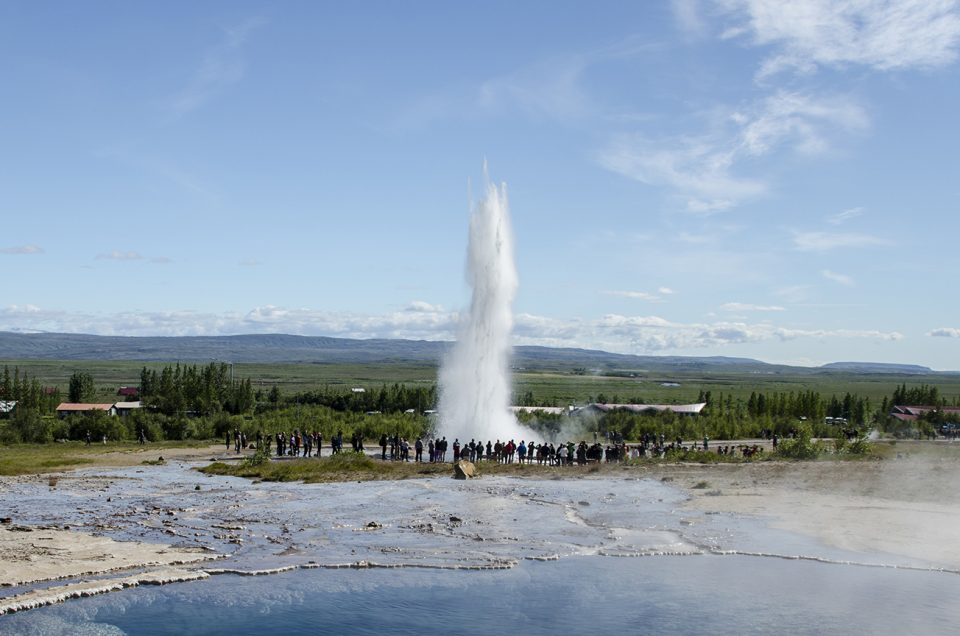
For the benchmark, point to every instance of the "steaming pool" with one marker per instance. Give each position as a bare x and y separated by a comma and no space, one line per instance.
483,556
695,594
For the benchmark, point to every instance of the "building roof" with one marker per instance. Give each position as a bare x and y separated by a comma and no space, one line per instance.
76,407
123,406
553,410
128,390
917,411
686,409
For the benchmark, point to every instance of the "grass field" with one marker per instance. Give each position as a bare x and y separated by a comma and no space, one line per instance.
558,387
25,459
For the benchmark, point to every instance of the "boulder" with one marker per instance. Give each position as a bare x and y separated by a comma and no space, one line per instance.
464,470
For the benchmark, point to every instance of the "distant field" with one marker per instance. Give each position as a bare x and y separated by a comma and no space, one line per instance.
564,388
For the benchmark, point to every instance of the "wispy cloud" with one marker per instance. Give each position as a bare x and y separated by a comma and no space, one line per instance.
802,121
842,217
161,260
22,249
793,293
222,66
552,88
120,255
686,13
877,34
250,262
750,307
636,295
841,279
704,170
823,241
945,332
697,170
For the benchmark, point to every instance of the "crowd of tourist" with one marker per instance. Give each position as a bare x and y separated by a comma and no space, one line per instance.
397,448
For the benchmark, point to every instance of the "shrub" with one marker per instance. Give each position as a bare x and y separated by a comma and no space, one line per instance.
800,447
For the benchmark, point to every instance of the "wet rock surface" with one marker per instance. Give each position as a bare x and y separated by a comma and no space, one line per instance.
432,523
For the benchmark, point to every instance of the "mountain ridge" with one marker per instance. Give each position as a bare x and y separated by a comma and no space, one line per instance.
288,348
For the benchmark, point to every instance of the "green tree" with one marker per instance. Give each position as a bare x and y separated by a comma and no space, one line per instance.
81,387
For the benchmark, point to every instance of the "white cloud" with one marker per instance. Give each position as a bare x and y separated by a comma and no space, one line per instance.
699,170
844,216
841,279
750,307
666,291
945,332
120,255
702,170
823,241
424,307
250,262
22,249
878,34
804,122
222,66
793,334
612,332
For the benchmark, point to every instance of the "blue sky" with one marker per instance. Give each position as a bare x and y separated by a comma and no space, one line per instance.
743,178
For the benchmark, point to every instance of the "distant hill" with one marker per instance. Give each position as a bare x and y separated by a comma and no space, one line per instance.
878,367
280,348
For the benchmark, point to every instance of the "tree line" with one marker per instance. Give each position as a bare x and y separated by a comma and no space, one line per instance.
27,391
195,390
205,401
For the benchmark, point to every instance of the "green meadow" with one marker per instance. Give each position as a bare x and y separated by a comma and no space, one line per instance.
545,386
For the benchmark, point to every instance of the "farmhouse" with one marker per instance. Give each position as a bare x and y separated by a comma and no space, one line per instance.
913,413
126,408
129,392
70,408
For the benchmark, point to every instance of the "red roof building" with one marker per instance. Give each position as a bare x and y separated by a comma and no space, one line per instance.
69,408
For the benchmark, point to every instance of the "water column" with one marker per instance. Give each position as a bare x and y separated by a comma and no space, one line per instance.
475,387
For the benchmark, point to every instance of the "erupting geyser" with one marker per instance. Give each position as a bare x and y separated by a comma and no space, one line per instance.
475,376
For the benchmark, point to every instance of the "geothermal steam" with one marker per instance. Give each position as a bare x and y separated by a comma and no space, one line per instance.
475,376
